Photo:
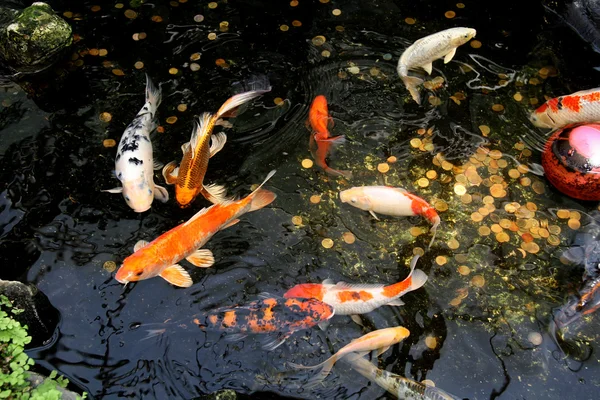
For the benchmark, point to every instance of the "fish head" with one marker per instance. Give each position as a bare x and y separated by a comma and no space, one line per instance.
461,36
356,197
400,333
138,194
184,196
318,115
542,119
306,291
134,268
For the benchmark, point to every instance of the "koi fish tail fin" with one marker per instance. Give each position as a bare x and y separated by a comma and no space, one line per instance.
433,230
418,279
229,108
411,83
153,97
324,369
261,197
150,333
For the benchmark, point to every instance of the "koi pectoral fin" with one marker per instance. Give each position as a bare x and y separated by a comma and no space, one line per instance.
202,258
176,275
214,193
449,56
373,214
223,123
170,172
396,302
357,320
235,337
274,340
161,194
382,350
324,325
157,165
217,142
231,223
114,190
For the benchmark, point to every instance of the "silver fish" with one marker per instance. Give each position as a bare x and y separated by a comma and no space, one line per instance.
134,164
423,52
399,386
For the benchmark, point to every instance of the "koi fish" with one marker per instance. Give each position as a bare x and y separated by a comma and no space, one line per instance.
320,121
399,386
380,340
134,165
392,201
578,107
352,299
160,257
423,52
274,316
188,178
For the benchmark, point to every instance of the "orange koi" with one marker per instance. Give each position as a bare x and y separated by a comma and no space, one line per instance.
578,107
188,178
392,201
380,340
353,299
320,142
160,257
269,315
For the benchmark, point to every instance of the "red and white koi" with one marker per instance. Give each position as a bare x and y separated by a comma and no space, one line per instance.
134,165
578,107
380,340
391,201
353,299
160,257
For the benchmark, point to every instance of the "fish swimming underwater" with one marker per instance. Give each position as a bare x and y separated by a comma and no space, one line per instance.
321,142
399,386
160,257
134,165
353,299
578,107
381,340
424,51
274,316
392,201
188,178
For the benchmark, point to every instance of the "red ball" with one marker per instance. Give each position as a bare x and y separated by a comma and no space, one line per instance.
571,161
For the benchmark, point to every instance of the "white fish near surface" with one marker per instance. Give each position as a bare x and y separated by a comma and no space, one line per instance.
134,164
393,201
578,107
423,52
399,386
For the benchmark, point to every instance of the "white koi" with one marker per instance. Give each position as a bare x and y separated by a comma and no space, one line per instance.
134,164
423,52
387,200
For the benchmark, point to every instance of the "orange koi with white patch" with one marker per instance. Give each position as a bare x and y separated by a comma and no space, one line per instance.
160,257
393,201
579,107
321,141
353,299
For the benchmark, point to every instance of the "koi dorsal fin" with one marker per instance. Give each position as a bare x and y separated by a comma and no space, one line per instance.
199,131
198,214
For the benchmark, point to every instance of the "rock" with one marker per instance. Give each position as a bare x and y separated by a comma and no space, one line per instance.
32,39
37,379
38,314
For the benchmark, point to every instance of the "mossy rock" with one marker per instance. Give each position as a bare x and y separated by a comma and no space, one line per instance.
34,39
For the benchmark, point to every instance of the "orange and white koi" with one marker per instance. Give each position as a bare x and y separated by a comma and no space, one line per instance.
274,316
399,386
188,178
392,201
353,299
321,141
578,107
160,257
380,340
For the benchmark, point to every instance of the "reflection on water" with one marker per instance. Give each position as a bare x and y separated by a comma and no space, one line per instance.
482,327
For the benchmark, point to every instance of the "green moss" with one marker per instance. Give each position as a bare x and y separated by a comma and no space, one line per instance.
15,363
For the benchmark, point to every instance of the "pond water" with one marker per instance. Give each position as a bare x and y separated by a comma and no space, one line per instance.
480,328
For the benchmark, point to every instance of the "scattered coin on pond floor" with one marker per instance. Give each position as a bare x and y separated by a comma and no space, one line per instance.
327,243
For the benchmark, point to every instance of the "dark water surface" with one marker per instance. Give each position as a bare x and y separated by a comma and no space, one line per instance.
58,229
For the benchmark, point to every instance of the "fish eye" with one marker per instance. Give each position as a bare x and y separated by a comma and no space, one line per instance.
139,273
354,200
149,191
126,198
